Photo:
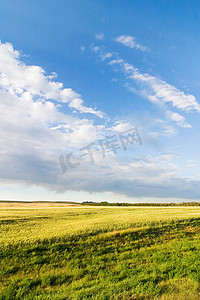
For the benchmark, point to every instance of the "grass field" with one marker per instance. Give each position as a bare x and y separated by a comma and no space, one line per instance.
57,251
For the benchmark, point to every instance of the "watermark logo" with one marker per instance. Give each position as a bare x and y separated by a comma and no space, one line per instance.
109,144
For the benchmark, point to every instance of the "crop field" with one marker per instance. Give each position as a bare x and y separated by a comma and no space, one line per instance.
58,251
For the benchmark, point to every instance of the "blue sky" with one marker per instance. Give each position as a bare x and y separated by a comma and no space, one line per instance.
74,73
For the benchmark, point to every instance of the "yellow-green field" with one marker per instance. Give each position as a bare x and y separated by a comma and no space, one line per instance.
31,222
58,251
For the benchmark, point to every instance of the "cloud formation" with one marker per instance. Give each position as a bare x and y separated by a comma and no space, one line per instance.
37,125
100,36
16,77
157,89
130,41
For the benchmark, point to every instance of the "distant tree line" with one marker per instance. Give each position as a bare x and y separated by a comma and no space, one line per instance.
105,203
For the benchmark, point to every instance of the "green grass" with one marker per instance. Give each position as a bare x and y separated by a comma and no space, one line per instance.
100,253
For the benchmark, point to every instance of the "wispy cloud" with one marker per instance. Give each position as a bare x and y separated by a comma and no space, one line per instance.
172,116
100,50
100,36
130,41
159,91
152,88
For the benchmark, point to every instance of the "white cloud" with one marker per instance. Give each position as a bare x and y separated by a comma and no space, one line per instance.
180,120
154,89
130,41
162,90
16,77
151,87
172,116
35,130
120,126
101,52
100,36
158,91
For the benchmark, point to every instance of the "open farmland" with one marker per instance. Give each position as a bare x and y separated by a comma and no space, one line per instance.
57,251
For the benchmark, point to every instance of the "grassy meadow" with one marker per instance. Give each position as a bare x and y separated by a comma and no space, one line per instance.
59,251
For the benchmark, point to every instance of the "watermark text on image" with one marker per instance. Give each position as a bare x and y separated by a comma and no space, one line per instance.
109,144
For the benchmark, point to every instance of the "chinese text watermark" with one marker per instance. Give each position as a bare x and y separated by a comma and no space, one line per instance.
109,144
